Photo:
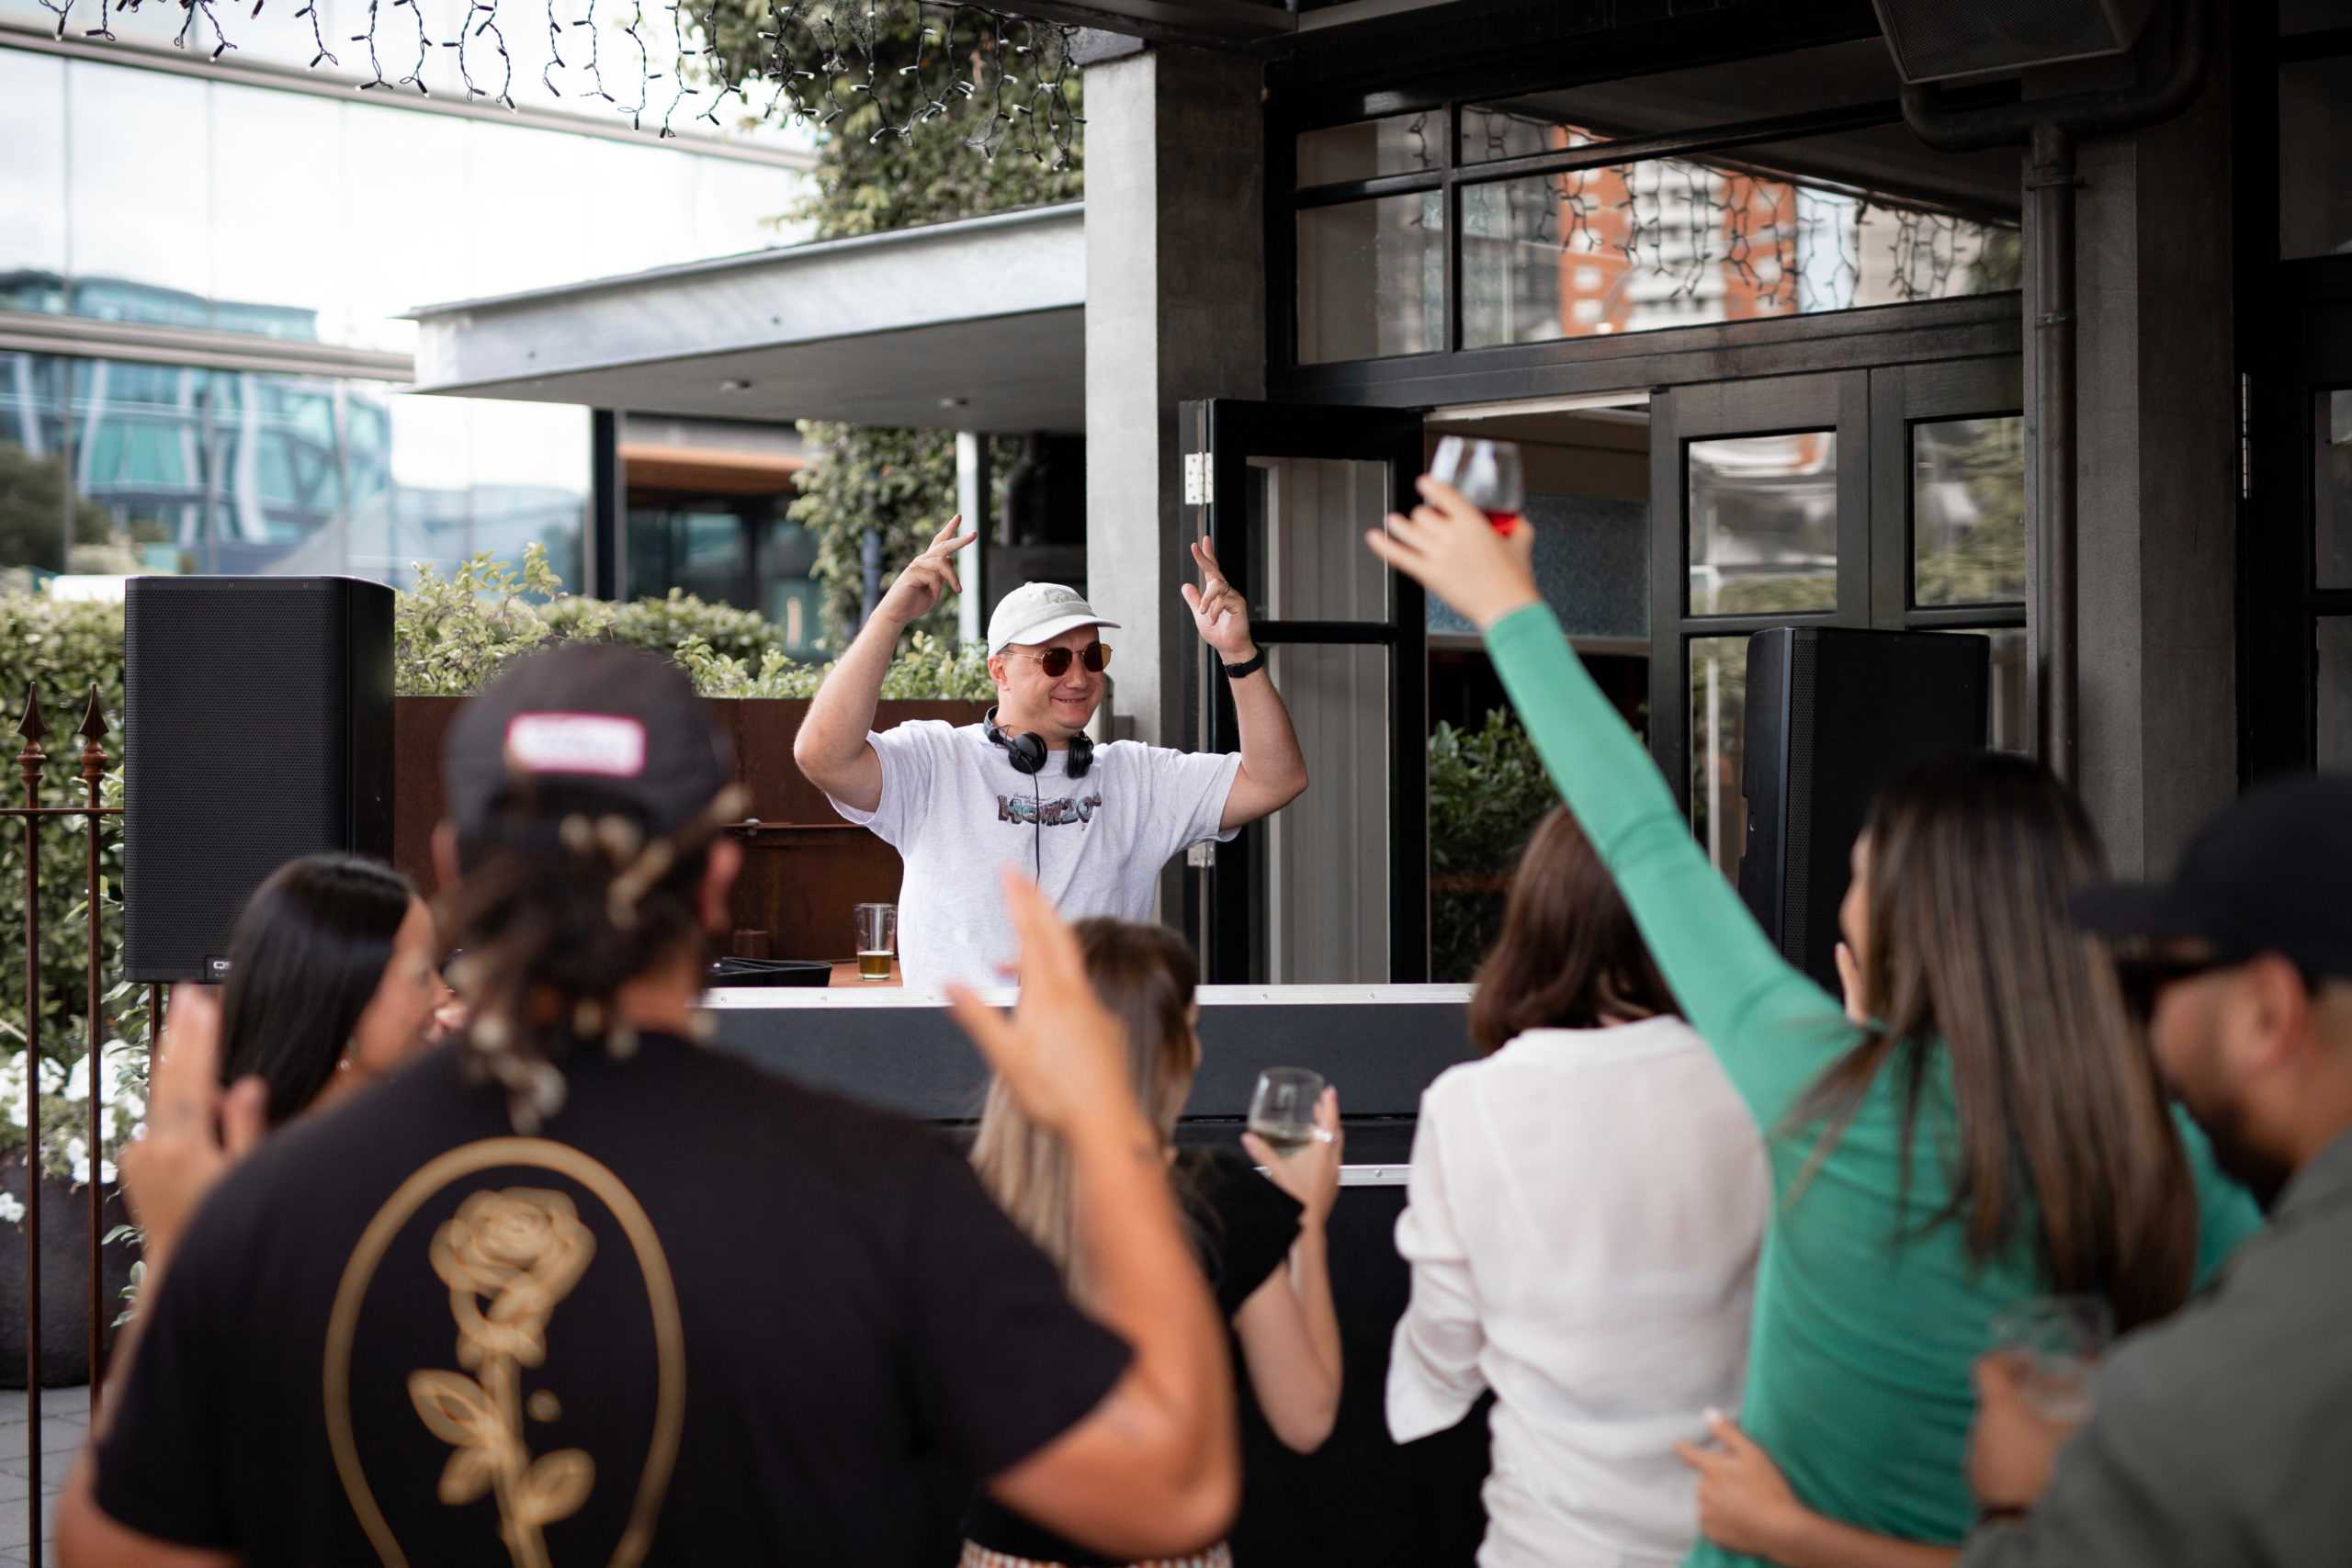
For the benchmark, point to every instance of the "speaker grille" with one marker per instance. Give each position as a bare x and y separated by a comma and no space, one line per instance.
258,719
1935,40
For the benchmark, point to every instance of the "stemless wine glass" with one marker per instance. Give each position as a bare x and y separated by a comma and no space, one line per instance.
2060,1341
1488,474
1282,1110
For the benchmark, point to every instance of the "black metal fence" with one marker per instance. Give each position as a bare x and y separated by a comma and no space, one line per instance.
97,819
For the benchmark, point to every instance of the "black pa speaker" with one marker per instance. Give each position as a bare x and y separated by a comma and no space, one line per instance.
1934,40
258,727
1833,715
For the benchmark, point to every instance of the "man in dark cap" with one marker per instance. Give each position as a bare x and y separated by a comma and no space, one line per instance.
575,1290
2225,1434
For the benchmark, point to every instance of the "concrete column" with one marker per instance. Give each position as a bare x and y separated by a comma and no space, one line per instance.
1175,308
2157,473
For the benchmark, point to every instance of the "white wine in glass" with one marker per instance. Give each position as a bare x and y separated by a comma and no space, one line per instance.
1282,1109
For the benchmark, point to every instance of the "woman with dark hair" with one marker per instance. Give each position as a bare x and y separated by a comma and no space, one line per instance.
333,981
1582,1223
1990,1131
1260,1240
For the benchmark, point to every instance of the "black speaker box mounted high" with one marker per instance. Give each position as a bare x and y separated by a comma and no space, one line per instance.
257,728
1833,715
1937,40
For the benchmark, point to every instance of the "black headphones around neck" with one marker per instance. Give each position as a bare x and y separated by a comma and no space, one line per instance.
1029,752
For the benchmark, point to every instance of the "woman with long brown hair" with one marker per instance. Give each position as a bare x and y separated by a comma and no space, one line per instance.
1260,1240
1582,1224
1989,1131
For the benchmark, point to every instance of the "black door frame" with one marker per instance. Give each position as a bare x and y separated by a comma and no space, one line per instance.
2281,601
1221,436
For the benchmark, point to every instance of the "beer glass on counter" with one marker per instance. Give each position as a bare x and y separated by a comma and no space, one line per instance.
877,940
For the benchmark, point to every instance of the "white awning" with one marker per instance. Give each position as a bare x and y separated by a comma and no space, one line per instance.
978,324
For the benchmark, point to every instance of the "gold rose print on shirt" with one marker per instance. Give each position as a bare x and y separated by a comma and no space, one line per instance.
509,1257
521,1250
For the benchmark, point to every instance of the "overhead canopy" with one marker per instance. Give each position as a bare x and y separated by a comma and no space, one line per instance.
978,324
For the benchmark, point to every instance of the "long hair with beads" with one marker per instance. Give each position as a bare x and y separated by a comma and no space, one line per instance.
566,897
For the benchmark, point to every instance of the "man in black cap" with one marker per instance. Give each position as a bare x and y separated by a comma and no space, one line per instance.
575,1290
2225,1435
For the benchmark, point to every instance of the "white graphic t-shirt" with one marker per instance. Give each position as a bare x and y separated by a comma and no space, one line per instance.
957,811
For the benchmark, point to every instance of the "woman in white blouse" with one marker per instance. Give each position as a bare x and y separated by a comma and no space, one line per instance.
1582,1224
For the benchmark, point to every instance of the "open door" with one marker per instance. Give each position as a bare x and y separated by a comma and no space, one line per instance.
1334,889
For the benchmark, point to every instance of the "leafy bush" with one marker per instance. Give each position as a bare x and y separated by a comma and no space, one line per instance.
925,670
1488,790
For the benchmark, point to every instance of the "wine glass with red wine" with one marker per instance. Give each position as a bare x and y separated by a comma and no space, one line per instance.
1489,476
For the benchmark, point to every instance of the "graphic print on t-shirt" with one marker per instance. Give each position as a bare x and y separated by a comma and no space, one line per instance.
1026,809
510,1257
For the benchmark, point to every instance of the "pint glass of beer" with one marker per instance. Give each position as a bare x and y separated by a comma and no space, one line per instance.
878,938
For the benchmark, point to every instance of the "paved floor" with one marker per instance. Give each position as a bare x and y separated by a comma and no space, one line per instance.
64,1423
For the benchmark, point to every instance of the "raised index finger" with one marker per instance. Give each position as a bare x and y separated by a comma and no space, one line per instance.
944,540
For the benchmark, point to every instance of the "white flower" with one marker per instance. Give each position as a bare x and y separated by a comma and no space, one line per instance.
12,1209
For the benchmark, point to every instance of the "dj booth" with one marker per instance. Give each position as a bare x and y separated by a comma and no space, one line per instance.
1362,1499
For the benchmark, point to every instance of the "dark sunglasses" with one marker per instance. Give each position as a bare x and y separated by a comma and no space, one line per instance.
2144,978
1055,661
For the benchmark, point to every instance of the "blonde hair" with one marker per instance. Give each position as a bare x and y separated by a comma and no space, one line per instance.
1145,975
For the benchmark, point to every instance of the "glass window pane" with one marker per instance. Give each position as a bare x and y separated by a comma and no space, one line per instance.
2006,727
1401,144
1372,278
2315,164
1764,524
277,227
1326,870
1311,514
1718,734
1593,565
2331,491
1491,132
139,202
1968,511
32,184
2331,645
1668,243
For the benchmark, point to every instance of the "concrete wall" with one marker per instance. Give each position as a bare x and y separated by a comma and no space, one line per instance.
2158,477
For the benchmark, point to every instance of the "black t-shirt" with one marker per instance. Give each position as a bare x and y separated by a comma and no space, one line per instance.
707,1314
1243,1227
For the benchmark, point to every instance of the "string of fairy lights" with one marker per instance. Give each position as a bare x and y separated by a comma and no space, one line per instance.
998,81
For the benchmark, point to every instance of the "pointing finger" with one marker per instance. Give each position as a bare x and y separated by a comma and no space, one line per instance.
947,533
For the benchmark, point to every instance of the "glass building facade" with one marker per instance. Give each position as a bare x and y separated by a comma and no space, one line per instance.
203,225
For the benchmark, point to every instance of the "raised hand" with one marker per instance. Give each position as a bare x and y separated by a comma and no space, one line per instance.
195,1132
927,577
1218,612
1449,548
1311,1175
1060,1052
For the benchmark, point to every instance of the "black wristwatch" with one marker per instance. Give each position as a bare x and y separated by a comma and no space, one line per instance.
1249,666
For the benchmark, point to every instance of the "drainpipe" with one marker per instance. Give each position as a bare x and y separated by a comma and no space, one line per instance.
2049,128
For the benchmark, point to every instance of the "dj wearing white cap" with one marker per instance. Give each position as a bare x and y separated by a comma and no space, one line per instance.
1026,786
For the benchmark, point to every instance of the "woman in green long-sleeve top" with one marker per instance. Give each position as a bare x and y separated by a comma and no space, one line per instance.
1996,1133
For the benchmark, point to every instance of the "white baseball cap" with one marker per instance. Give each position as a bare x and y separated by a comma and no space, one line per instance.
1039,611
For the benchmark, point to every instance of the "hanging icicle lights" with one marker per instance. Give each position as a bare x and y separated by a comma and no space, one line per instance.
1000,82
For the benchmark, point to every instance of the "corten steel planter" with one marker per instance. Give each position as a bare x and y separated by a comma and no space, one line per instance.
66,1273
804,868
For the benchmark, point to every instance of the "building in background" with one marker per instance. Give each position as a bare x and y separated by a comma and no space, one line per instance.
205,262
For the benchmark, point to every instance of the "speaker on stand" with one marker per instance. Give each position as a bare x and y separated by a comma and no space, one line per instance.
257,728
